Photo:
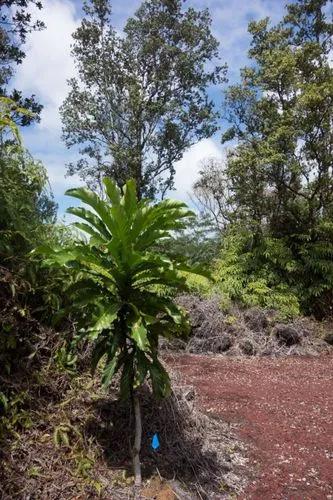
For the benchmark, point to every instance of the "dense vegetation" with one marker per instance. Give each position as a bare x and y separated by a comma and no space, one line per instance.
263,230
273,197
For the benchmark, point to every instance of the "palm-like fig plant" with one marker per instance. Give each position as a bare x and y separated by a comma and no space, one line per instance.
118,295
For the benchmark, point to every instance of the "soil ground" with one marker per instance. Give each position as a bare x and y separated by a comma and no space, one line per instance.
284,412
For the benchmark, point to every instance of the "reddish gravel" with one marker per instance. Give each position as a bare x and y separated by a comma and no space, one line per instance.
284,408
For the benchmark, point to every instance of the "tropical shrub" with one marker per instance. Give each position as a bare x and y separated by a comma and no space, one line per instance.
253,273
314,274
25,203
290,274
27,218
198,285
119,293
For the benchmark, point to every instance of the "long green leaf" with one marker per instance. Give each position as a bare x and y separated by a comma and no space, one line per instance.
95,236
109,371
129,198
104,320
90,198
92,219
159,379
139,335
112,190
141,369
99,351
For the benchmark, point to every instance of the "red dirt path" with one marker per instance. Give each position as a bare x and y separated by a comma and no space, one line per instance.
284,408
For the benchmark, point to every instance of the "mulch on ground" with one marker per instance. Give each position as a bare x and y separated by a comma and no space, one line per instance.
72,441
284,412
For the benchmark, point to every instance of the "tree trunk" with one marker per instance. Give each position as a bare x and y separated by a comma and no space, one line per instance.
137,440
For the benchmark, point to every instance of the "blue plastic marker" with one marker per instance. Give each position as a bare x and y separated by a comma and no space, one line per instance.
155,443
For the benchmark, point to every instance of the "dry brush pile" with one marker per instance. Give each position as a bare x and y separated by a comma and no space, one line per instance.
76,445
250,331
61,436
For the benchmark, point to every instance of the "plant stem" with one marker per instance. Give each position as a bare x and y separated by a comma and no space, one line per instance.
137,440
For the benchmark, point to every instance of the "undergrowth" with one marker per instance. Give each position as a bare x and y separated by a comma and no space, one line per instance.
64,437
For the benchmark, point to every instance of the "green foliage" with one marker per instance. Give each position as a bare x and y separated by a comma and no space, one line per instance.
25,204
251,272
121,311
198,285
314,273
27,218
16,22
277,185
63,433
13,415
292,274
199,243
7,108
140,99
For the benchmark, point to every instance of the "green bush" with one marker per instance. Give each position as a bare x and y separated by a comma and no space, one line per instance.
292,274
314,274
28,291
251,273
198,285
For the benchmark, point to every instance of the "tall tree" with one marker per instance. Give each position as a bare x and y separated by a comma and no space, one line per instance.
140,98
281,171
16,21
281,115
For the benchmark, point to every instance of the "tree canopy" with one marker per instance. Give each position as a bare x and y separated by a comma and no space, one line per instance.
140,98
16,22
278,178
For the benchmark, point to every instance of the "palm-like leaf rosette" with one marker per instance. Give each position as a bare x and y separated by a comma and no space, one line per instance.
118,294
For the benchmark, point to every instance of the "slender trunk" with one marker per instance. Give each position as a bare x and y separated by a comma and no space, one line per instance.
137,440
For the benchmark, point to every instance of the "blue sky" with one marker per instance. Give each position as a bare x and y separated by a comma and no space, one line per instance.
48,64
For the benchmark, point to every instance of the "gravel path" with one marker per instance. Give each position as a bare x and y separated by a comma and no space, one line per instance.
284,408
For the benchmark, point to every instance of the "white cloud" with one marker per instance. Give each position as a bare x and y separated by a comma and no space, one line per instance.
48,63
57,171
187,169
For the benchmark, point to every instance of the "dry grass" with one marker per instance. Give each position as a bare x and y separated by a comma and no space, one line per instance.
62,437
76,444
